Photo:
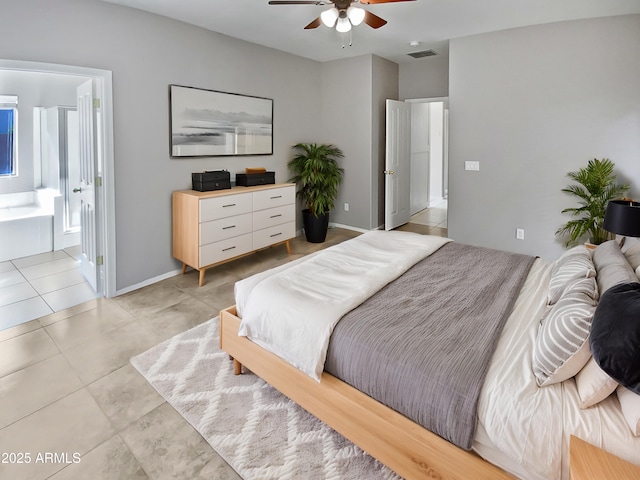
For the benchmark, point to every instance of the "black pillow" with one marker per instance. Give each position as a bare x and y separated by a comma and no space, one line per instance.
615,334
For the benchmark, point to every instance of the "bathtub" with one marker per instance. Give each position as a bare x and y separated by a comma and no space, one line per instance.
26,223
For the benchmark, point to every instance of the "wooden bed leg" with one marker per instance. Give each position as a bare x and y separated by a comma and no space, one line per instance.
286,244
237,367
184,268
201,281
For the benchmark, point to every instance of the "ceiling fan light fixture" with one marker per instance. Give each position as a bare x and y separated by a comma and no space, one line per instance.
355,15
343,25
329,17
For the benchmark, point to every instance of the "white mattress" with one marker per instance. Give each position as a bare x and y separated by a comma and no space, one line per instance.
524,428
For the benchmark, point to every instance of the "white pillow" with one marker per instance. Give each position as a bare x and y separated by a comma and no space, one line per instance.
562,345
633,256
594,385
630,405
638,272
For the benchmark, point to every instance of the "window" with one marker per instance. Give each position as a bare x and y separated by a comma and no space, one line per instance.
8,134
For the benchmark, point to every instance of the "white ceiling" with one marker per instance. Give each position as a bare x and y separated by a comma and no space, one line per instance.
431,22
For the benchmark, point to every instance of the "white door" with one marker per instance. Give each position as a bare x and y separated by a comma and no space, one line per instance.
397,164
87,153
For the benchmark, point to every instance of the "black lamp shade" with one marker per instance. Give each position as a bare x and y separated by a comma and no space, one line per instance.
623,218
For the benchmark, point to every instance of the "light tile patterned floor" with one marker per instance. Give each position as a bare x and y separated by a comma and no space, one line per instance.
434,216
66,385
31,287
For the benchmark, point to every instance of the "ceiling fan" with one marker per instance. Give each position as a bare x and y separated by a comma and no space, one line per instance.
343,14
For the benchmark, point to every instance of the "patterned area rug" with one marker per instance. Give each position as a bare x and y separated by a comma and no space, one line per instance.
257,430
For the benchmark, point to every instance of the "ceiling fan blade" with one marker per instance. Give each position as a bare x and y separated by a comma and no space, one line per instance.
296,2
314,24
373,21
373,2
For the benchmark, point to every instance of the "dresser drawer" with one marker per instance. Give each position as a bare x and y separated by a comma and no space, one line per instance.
269,236
217,230
273,216
225,206
225,249
274,197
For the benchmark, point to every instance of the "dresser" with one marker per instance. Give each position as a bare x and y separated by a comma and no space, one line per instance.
210,228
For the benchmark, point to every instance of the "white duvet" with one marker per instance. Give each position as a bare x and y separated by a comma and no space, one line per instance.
292,310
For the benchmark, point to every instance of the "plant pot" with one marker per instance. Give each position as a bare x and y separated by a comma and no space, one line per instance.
315,228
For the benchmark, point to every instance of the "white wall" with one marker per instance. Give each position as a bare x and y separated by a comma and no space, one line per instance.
531,104
33,90
146,53
419,195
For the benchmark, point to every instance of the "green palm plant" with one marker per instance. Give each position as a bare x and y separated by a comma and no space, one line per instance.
315,169
595,187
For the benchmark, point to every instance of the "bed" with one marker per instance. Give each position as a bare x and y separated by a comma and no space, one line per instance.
516,431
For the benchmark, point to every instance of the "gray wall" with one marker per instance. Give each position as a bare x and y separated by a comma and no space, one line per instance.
146,53
353,118
531,104
426,77
385,86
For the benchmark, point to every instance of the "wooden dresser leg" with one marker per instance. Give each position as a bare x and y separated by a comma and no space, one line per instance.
184,268
288,247
237,367
201,281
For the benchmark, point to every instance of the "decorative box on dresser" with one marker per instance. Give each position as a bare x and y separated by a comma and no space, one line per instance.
210,228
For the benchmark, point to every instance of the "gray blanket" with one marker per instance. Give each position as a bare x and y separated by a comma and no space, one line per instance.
422,345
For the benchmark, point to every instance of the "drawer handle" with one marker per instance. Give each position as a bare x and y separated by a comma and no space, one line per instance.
230,226
279,196
276,216
230,205
276,234
227,249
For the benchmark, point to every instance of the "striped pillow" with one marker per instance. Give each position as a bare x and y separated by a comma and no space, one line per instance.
574,264
562,345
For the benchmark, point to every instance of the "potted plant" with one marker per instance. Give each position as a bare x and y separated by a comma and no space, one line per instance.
595,187
315,169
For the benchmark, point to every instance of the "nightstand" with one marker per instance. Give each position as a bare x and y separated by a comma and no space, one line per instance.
588,462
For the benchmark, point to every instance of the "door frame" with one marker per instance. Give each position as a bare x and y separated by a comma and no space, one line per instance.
445,137
105,196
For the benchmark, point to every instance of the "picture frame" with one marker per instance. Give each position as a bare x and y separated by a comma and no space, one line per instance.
211,123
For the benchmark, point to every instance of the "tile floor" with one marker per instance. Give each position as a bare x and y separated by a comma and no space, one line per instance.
69,394
31,287
434,216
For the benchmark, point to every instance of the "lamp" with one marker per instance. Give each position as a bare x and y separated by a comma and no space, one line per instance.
330,16
343,18
622,217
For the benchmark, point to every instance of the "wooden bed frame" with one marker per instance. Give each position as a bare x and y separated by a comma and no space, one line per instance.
405,447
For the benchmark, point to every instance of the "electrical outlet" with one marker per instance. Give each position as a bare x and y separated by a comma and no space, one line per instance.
346,207
520,233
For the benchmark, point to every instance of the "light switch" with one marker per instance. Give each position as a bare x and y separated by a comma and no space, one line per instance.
474,166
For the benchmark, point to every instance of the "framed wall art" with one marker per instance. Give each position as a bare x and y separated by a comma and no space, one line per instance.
207,123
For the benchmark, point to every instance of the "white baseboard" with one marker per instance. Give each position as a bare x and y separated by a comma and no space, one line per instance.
148,282
348,227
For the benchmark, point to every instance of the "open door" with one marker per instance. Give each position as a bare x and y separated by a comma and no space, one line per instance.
87,153
397,164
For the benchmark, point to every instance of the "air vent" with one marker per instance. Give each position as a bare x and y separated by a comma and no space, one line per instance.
423,53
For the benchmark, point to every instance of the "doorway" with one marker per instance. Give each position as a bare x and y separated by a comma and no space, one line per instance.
429,162
35,175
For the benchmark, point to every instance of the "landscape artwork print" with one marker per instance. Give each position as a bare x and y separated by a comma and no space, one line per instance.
207,123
